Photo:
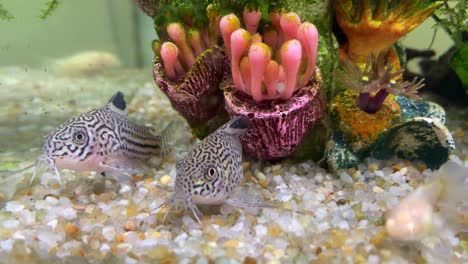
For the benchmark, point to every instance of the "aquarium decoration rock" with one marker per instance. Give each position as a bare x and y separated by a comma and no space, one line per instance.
275,81
397,125
278,127
197,96
380,115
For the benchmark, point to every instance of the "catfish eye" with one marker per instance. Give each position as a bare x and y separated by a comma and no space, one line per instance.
79,137
211,173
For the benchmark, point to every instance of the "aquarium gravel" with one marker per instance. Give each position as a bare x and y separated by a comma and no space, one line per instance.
316,216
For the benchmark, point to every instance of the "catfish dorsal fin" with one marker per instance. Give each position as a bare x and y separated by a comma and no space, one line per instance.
117,103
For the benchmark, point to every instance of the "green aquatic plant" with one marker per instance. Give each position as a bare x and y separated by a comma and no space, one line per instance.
453,19
375,81
5,14
51,6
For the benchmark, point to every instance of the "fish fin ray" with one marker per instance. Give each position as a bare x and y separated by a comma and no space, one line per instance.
245,197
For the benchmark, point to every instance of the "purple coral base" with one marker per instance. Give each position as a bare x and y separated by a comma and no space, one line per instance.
197,96
278,127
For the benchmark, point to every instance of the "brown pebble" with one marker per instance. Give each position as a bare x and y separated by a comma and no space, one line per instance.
71,229
79,207
250,260
120,238
129,226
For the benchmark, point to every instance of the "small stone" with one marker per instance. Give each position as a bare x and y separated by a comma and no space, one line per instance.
346,178
164,180
321,213
396,167
260,176
249,260
51,200
323,226
120,238
378,238
14,206
274,230
53,223
130,226
231,244
132,210
421,167
373,167
71,229
320,197
159,252
260,230
319,177
377,189
69,213
337,239
108,232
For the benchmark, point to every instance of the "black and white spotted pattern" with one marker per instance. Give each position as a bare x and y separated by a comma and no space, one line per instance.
213,169
103,134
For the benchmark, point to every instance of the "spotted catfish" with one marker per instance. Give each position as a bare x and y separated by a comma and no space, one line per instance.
212,171
106,141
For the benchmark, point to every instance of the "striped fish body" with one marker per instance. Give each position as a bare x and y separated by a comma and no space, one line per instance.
213,169
104,140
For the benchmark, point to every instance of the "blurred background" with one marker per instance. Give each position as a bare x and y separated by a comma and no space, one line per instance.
116,26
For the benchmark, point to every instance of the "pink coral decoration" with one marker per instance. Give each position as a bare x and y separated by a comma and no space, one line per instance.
277,128
266,77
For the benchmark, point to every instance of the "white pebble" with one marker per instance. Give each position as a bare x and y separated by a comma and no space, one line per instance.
14,206
108,232
53,224
123,202
10,224
143,190
149,242
373,259
6,245
319,177
320,197
377,189
284,197
49,238
124,189
51,200
324,226
379,173
260,230
321,213
104,248
69,213
403,171
343,225
260,176
180,239
346,178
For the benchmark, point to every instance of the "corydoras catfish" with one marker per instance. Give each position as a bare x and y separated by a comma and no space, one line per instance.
212,171
106,141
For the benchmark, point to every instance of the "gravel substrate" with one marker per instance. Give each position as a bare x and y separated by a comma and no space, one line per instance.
316,216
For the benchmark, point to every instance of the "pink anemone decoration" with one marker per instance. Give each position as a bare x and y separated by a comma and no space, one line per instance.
188,68
275,81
